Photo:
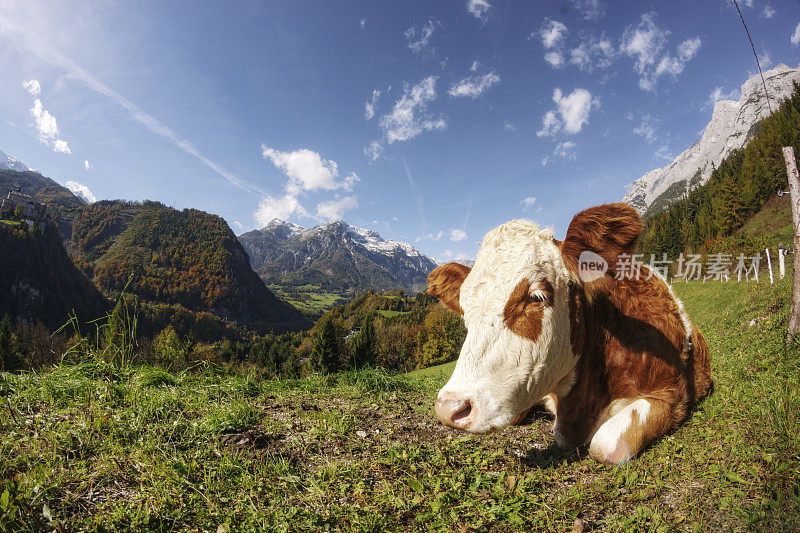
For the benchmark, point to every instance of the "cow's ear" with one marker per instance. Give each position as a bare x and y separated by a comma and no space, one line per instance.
445,283
607,231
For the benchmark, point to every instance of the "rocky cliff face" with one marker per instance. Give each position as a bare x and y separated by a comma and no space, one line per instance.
335,256
730,128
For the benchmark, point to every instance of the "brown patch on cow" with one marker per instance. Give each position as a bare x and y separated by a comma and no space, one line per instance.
607,230
523,312
631,344
445,284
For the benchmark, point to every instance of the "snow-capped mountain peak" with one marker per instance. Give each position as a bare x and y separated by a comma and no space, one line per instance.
335,253
11,163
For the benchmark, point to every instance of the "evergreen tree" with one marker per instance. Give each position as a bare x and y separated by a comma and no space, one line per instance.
325,353
362,349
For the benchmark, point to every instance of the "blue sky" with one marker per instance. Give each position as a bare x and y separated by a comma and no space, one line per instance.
429,122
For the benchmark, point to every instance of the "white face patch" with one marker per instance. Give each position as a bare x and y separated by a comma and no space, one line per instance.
499,371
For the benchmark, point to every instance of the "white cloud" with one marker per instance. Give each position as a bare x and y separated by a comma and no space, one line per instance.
552,33
475,65
457,235
418,44
590,9
645,43
554,58
573,112
592,53
308,171
767,12
478,8
373,150
431,236
646,129
664,153
719,94
86,165
363,24
509,126
334,209
60,145
795,38
239,226
33,87
81,190
282,208
565,150
46,124
403,123
528,202
474,86
545,160
747,3
369,107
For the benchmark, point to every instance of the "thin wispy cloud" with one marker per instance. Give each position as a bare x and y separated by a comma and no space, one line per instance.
528,202
407,118
590,9
795,38
645,44
479,8
55,57
565,150
417,41
369,106
457,235
719,94
474,86
646,129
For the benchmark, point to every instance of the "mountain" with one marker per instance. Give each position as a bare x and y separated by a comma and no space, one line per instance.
334,256
61,204
39,282
11,163
185,258
732,125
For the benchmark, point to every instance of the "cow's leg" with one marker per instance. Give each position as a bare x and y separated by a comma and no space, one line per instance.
624,435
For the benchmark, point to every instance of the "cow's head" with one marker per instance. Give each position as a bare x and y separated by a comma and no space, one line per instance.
515,303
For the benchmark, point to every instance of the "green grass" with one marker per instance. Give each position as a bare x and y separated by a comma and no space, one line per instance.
310,298
92,446
390,314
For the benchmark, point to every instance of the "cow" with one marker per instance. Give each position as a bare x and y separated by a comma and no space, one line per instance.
614,357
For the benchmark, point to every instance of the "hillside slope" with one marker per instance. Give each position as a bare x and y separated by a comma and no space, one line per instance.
61,204
731,127
334,256
742,184
188,258
39,282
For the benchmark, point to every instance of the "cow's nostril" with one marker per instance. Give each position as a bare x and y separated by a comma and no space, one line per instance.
464,412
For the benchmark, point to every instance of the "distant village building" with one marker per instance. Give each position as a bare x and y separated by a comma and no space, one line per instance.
33,212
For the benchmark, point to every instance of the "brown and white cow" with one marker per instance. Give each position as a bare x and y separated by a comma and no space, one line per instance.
616,358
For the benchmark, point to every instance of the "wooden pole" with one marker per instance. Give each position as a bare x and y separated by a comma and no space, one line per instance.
794,191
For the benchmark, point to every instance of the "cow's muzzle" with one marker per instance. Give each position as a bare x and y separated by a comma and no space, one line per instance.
453,411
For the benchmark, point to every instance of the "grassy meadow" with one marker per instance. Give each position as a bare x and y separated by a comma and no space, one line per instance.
95,446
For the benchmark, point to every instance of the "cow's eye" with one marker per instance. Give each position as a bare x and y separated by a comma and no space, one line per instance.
538,296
